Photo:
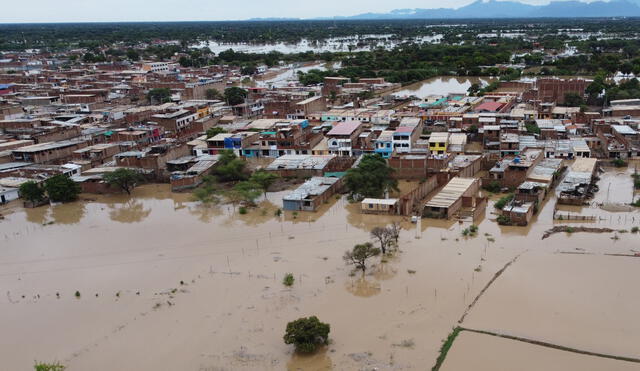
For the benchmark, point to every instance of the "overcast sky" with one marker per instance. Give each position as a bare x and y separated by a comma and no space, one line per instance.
18,11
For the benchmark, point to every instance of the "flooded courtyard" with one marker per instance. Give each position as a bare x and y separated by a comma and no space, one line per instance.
165,283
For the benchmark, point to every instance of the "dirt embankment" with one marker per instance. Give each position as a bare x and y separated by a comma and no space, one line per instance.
569,229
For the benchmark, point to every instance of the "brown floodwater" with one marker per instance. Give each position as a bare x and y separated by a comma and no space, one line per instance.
482,352
442,85
166,283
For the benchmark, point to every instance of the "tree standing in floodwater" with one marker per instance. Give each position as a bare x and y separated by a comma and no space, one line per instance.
359,255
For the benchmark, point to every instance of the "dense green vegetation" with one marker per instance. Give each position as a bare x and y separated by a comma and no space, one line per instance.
123,178
43,366
371,178
359,255
60,188
159,95
31,191
502,202
461,52
445,347
230,167
61,35
307,334
234,95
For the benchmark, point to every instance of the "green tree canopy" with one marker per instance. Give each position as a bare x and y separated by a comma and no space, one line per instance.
230,167
215,131
208,192
306,334
235,95
123,178
61,188
31,191
371,178
573,100
213,94
245,191
159,95
264,179
133,54
359,255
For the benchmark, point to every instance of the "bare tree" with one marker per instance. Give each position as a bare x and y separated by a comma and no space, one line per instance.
359,255
394,231
383,236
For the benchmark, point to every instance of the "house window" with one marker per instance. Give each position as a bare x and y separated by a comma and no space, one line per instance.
370,206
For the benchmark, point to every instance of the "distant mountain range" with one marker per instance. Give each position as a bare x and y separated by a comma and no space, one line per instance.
508,9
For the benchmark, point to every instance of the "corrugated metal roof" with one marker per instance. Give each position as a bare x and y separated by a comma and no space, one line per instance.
312,187
451,192
380,201
345,128
299,162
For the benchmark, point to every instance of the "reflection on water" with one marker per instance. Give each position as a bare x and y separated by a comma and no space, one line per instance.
132,211
70,213
386,271
233,266
363,286
37,215
442,86
205,213
318,361
265,211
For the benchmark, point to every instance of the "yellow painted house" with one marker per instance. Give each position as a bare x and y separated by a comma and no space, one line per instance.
438,143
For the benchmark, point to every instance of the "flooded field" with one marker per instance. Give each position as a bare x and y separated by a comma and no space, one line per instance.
289,74
481,352
335,44
442,86
165,283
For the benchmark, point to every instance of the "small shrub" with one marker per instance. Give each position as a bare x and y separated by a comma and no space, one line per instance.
636,180
493,187
570,230
242,210
635,229
504,220
288,280
502,202
41,366
618,162
278,212
295,214
408,343
77,294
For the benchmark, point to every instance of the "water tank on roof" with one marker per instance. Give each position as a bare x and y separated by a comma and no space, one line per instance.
516,160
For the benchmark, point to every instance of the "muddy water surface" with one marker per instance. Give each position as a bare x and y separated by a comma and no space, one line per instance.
166,283
442,86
